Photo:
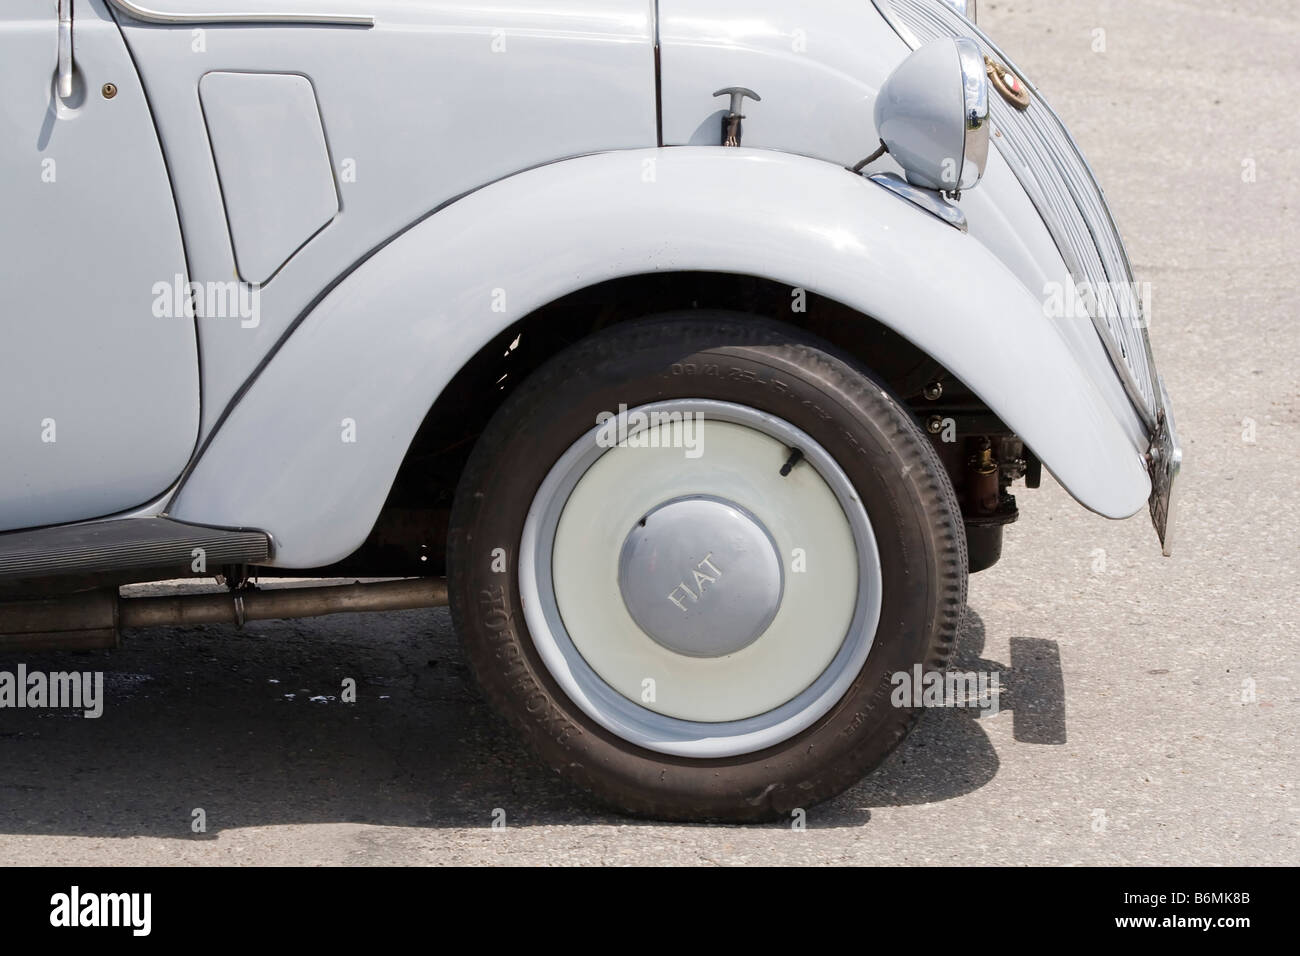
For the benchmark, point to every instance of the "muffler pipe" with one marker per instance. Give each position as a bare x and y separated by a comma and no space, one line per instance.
236,607
92,619
71,622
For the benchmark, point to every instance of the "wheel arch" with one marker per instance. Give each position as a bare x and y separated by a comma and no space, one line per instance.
484,382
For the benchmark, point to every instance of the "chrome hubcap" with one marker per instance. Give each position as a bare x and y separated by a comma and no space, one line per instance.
701,576
774,629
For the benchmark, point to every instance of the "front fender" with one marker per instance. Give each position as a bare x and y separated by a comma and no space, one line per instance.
381,346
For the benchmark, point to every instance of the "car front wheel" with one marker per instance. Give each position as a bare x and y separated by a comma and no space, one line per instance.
687,558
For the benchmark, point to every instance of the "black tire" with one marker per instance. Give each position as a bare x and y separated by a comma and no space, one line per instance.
778,369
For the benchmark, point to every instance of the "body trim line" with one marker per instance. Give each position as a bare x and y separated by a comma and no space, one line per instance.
133,9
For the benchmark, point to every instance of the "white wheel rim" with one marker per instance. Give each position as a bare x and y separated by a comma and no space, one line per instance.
740,702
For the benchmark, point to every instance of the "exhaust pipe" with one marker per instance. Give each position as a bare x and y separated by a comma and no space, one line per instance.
236,607
93,619
71,622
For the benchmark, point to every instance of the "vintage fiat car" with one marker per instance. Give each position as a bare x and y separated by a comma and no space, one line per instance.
687,349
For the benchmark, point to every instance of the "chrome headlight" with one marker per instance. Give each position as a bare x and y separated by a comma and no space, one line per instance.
932,113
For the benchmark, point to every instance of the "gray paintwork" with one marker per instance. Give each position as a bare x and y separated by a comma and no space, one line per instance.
416,110
379,348
99,396
274,167
438,100
830,59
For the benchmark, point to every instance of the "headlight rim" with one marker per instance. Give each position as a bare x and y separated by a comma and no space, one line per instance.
975,114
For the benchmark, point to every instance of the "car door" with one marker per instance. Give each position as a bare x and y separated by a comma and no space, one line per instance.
99,382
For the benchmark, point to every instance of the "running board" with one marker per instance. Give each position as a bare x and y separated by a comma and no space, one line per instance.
126,544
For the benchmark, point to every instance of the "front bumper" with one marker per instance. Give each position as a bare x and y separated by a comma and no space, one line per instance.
1164,460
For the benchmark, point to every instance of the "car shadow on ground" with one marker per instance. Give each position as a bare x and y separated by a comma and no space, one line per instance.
249,728
949,753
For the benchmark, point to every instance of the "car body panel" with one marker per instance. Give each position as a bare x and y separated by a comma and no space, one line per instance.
485,162
370,360
818,67
99,378
436,99
277,181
